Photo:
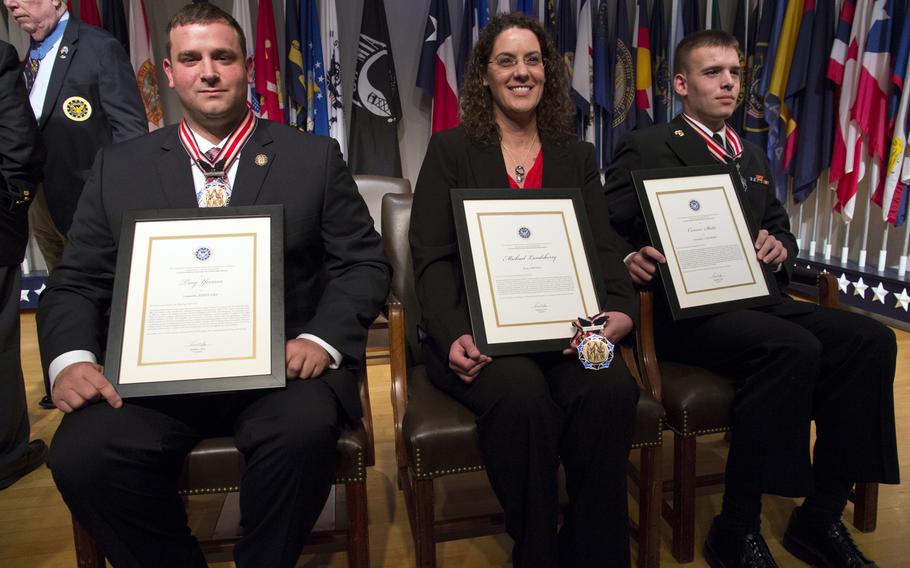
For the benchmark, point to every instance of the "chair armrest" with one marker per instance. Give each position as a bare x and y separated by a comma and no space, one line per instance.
644,344
823,281
367,417
398,370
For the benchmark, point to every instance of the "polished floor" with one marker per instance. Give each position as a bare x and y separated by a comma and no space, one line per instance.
35,530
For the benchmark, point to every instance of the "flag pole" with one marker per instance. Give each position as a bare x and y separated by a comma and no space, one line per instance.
902,265
799,218
818,187
830,209
883,253
845,246
862,248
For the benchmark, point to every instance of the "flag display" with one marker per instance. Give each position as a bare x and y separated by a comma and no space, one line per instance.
88,13
644,102
317,116
144,64
267,66
332,51
660,65
583,74
294,74
376,108
623,80
756,128
113,19
436,72
241,13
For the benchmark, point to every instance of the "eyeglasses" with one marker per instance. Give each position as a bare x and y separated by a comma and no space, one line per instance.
509,61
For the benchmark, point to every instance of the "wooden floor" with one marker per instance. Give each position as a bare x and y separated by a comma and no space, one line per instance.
35,530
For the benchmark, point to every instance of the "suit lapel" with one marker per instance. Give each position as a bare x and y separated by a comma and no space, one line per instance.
174,171
559,168
255,160
687,144
61,64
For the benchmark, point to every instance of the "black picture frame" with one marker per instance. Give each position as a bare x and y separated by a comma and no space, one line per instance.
215,384
669,284
467,250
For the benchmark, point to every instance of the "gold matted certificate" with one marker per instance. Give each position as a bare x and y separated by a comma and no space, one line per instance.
528,266
696,219
194,303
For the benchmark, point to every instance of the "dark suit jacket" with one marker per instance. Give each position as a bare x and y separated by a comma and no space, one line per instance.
336,276
453,161
661,147
92,65
21,158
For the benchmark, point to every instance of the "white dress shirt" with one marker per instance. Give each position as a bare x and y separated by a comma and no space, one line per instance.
39,89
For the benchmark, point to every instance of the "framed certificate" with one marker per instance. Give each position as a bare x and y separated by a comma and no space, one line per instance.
529,267
198,302
696,219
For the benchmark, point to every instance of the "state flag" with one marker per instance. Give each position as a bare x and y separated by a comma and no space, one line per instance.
436,71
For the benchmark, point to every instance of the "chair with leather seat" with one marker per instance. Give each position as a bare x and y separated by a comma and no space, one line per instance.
698,402
372,188
216,466
436,438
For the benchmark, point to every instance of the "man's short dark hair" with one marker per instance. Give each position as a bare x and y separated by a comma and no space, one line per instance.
703,38
204,13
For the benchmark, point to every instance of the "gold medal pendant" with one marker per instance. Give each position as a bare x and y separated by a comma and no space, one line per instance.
214,194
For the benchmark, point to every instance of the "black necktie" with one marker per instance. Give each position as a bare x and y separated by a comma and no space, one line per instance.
723,143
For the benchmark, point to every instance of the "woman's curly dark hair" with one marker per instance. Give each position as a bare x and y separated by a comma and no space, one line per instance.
555,111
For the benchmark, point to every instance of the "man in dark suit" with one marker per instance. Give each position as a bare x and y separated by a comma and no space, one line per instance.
791,362
117,462
84,95
21,156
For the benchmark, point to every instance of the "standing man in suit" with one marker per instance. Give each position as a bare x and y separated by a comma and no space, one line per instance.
117,462
21,156
84,96
791,362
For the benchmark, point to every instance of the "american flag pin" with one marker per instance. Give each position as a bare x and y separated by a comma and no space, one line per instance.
64,51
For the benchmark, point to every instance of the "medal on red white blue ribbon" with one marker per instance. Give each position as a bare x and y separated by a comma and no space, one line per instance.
594,351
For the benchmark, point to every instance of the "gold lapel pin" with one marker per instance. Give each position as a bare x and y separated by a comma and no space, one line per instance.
679,133
262,159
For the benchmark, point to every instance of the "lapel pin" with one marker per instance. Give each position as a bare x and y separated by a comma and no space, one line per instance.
64,51
261,159
679,133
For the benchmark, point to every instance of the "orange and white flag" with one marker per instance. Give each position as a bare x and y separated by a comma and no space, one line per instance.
144,64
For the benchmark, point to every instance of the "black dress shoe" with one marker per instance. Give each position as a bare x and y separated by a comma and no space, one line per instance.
34,456
823,545
730,549
46,403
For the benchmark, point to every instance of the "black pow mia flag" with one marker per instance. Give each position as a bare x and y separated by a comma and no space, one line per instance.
376,109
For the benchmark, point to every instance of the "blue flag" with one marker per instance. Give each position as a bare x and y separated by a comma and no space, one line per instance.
810,97
294,75
317,112
677,31
623,107
550,23
603,79
741,33
113,19
527,7
756,128
565,35
660,66
475,16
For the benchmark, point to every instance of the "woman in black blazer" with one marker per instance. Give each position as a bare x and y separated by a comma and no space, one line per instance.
534,411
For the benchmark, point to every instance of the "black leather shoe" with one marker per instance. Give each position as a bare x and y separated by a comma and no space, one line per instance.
34,456
823,545
46,403
729,549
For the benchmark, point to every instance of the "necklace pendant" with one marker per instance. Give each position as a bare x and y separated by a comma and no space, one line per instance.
519,173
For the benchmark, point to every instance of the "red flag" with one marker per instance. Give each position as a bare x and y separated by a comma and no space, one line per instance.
267,65
88,13
436,73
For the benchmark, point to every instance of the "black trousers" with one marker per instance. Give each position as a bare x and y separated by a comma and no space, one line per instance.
792,363
533,412
14,428
118,471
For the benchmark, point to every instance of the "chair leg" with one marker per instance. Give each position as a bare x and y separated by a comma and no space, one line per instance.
358,523
650,487
865,506
88,553
683,546
425,519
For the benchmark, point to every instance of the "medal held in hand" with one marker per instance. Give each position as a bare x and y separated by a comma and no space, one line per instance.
594,350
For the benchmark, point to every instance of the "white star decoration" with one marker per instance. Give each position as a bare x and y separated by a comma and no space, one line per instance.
879,293
23,295
859,288
41,289
903,300
842,283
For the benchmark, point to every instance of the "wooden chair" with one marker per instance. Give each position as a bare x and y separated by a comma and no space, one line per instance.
216,466
698,401
436,438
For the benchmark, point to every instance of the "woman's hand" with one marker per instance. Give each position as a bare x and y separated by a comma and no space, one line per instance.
465,360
